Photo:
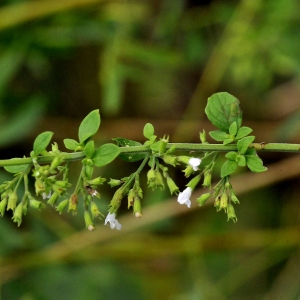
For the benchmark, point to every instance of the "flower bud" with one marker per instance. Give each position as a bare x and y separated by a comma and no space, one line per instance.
3,204
217,203
234,199
172,186
170,160
115,182
131,195
203,198
193,183
56,162
73,202
207,179
95,211
231,213
36,204
163,145
137,207
88,221
116,200
224,201
39,186
52,200
17,217
188,171
12,201
151,179
62,205
159,179
203,137
97,181
88,170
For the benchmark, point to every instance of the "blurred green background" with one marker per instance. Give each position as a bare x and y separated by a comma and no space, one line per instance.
153,61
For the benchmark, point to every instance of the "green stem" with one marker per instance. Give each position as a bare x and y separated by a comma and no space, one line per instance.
260,147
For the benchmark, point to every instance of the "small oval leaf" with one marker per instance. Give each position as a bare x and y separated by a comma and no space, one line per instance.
244,143
89,149
89,125
228,167
105,154
222,110
218,135
122,142
148,130
16,168
255,164
71,144
41,142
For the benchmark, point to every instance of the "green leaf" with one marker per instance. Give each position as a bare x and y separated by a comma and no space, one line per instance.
218,135
255,164
155,146
251,151
228,167
222,110
121,142
231,155
41,142
233,128
89,126
71,144
227,141
241,160
148,130
105,154
16,168
89,149
244,143
242,132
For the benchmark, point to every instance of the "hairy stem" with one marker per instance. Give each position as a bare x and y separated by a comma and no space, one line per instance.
260,147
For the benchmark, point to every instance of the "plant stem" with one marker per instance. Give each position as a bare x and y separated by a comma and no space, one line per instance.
260,147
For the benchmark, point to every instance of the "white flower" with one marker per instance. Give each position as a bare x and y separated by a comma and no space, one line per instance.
113,222
194,163
45,196
184,197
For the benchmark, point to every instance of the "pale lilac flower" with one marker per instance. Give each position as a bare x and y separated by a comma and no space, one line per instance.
184,197
113,222
194,163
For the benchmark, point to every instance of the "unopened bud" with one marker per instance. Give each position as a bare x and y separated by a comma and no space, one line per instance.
62,205
172,186
163,145
224,201
137,207
97,181
115,182
203,137
170,160
56,162
207,179
39,186
52,200
3,204
17,217
12,201
234,199
36,204
203,198
193,183
73,202
159,179
95,211
88,220
231,213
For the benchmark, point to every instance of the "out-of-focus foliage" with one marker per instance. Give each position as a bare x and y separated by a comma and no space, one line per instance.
160,60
